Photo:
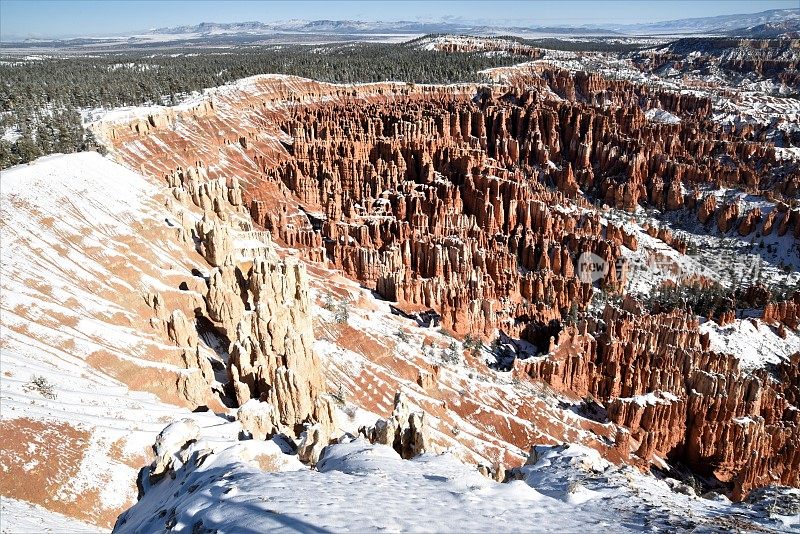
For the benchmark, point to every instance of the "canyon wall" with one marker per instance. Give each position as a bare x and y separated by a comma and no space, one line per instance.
472,202
680,401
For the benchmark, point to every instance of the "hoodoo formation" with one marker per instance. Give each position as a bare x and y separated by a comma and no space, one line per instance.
533,283
471,201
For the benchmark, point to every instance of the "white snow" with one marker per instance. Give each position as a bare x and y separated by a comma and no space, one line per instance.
751,341
11,134
652,398
73,265
660,115
18,517
359,487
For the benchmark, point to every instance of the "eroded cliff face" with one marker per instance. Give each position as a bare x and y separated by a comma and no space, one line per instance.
657,378
257,303
472,202
121,294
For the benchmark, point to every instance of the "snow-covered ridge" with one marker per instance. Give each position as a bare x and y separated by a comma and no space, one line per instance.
563,489
251,86
660,115
83,239
752,341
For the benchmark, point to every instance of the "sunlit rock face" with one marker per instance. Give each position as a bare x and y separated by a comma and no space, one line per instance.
474,202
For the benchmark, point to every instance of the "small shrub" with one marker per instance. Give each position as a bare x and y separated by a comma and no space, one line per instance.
42,386
572,315
574,487
342,313
329,303
350,411
452,354
473,344
694,483
445,332
339,395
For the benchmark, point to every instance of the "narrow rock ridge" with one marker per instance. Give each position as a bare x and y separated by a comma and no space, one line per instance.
258,303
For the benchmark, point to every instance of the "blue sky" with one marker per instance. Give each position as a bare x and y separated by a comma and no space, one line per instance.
59,18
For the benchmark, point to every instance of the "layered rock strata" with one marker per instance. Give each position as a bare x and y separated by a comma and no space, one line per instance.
681,401
473,202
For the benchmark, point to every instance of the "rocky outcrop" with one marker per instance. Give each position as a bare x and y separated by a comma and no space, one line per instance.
180,330
216,243
784,312
170,446
314,440
707,208
271,358
446,197
726,217
405,431
258,419
679,400
195,384
259,304
750,222
774,59
223,299
495,472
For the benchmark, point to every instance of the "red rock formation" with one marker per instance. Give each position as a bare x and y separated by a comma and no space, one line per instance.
707,208
471,202
678,399
749,222
785,312
725,318
726,216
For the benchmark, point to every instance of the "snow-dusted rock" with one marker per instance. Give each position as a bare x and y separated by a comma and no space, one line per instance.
404,430
171,443
258,418
181,331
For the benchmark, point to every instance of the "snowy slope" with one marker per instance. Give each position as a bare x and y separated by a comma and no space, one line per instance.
82,239
360,487
19,516
752,341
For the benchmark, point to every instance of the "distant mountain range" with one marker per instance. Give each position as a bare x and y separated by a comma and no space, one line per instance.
785,28
770,23
722,25
359,27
